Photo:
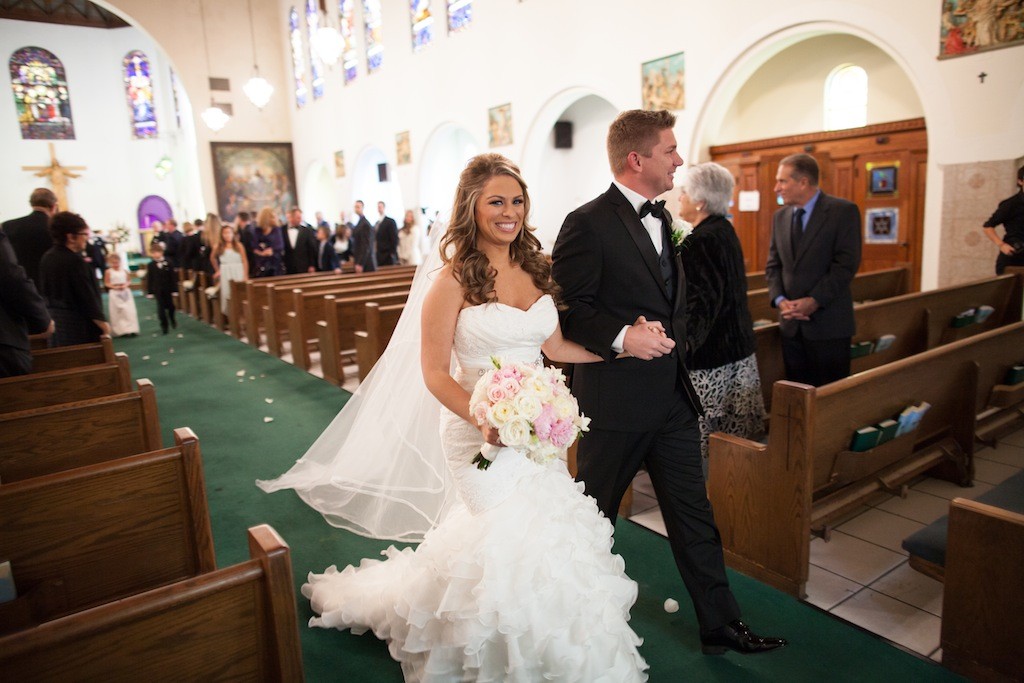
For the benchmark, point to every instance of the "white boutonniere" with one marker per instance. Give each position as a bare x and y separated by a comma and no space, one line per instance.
680,232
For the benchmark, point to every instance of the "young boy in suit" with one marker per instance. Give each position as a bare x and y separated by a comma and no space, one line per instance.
161,283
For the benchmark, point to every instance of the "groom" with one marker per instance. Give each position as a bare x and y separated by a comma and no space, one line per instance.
614,260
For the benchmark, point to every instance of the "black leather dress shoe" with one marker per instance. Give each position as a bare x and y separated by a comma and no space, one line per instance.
737,636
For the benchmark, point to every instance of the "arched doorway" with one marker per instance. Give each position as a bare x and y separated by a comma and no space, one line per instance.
447,150
152,209
319,195
373,181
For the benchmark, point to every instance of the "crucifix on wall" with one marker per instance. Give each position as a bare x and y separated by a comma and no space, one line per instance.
58,175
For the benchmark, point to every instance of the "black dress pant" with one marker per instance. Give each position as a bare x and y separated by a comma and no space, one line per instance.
165,311
815,361
608,461
14,361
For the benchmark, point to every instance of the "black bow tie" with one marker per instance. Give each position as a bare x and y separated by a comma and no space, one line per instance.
653,208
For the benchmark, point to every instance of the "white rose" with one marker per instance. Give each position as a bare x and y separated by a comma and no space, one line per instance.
527,406
545,453
500,413
515,432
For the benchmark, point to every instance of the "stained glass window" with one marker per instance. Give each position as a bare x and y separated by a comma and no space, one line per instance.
349,58
315,64
138,86
41,95
422,24
460,15
374,37
846,98
298,62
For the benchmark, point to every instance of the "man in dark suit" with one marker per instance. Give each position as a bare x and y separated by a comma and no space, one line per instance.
812,258
387,238
170,237
364,250
30,235
299,244
614,261
22,312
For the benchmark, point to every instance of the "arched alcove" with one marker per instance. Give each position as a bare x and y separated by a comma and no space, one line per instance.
373,180
319,194
563,178
447,150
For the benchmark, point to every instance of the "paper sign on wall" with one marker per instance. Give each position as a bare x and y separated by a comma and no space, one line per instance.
750,200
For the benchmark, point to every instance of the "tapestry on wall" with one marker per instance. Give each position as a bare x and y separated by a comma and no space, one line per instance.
969,26
41,97
662,83
251,175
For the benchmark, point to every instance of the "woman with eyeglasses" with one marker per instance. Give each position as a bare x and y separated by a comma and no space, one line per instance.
68,285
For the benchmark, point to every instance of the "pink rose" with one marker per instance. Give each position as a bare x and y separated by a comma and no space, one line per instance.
496,393
510,386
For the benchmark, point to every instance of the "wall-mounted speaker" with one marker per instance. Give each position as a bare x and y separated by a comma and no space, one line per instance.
382,173
563,134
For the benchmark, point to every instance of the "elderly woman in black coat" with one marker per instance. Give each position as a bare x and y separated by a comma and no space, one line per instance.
720,334
69,286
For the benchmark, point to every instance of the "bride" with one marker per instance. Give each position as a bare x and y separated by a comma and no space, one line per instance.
514,579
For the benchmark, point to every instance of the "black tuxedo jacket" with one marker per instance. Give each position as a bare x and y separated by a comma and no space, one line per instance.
608,270
301,257
22,308
387,242
30,238
363,245
822,267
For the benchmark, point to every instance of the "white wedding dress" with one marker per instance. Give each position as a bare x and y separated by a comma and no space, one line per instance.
518,581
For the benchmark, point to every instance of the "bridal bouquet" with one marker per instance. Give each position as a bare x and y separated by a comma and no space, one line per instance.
531,408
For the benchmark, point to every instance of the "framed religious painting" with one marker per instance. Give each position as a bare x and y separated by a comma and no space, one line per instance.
663,83
969,26
251,175
883,178
882,226
403,148
499,125
339,164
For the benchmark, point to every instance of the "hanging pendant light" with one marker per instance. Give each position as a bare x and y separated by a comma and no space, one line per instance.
257,89
214,117
328,44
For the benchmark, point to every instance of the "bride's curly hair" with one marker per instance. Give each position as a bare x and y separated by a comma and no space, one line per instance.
458,246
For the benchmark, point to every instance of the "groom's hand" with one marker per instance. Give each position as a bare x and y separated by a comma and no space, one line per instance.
646,342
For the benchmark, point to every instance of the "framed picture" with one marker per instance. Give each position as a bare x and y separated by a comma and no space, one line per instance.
968,26
339,164
663,83
882,226
499,125
883,179
251,175
403,148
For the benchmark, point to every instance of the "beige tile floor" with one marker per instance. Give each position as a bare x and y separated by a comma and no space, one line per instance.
861,574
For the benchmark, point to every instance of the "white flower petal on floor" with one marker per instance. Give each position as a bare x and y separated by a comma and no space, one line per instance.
268,419
671,606
269,400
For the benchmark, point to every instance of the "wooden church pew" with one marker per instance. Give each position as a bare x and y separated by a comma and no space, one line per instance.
89,535
768,497
236,623
73,356
371,342
53,387
44,440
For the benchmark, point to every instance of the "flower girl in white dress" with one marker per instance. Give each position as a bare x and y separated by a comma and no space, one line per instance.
124,318
514,579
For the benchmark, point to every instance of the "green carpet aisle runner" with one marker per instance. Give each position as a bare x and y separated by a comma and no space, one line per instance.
255,415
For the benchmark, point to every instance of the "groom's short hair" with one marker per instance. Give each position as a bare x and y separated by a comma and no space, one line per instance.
635,130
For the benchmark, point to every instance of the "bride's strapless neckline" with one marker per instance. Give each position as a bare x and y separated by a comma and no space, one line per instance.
508,306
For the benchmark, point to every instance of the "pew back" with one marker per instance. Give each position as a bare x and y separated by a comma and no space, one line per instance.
44,440
342,317
871,286
93,534
64,357
370,343
53,387
237,623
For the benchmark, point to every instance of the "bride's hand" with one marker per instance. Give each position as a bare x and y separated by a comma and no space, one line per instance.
490,434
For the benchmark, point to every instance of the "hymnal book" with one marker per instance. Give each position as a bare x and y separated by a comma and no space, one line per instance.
918,413
864,439
964,318
1015,375
982,314
7,589
904,421
884,342
887,430
862,348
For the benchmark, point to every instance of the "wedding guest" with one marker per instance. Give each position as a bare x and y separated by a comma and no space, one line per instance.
364,250
409,241
161,283
30,235
229,263
342,242
96,254
719,332
1009,214
326,257
386,231
22,312
66,281
124,318
268,244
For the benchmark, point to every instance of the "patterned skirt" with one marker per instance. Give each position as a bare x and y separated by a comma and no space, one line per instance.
732,400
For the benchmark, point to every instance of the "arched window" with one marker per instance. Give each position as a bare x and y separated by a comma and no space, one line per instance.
315,65
41,95
138,86
846,97
298,62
